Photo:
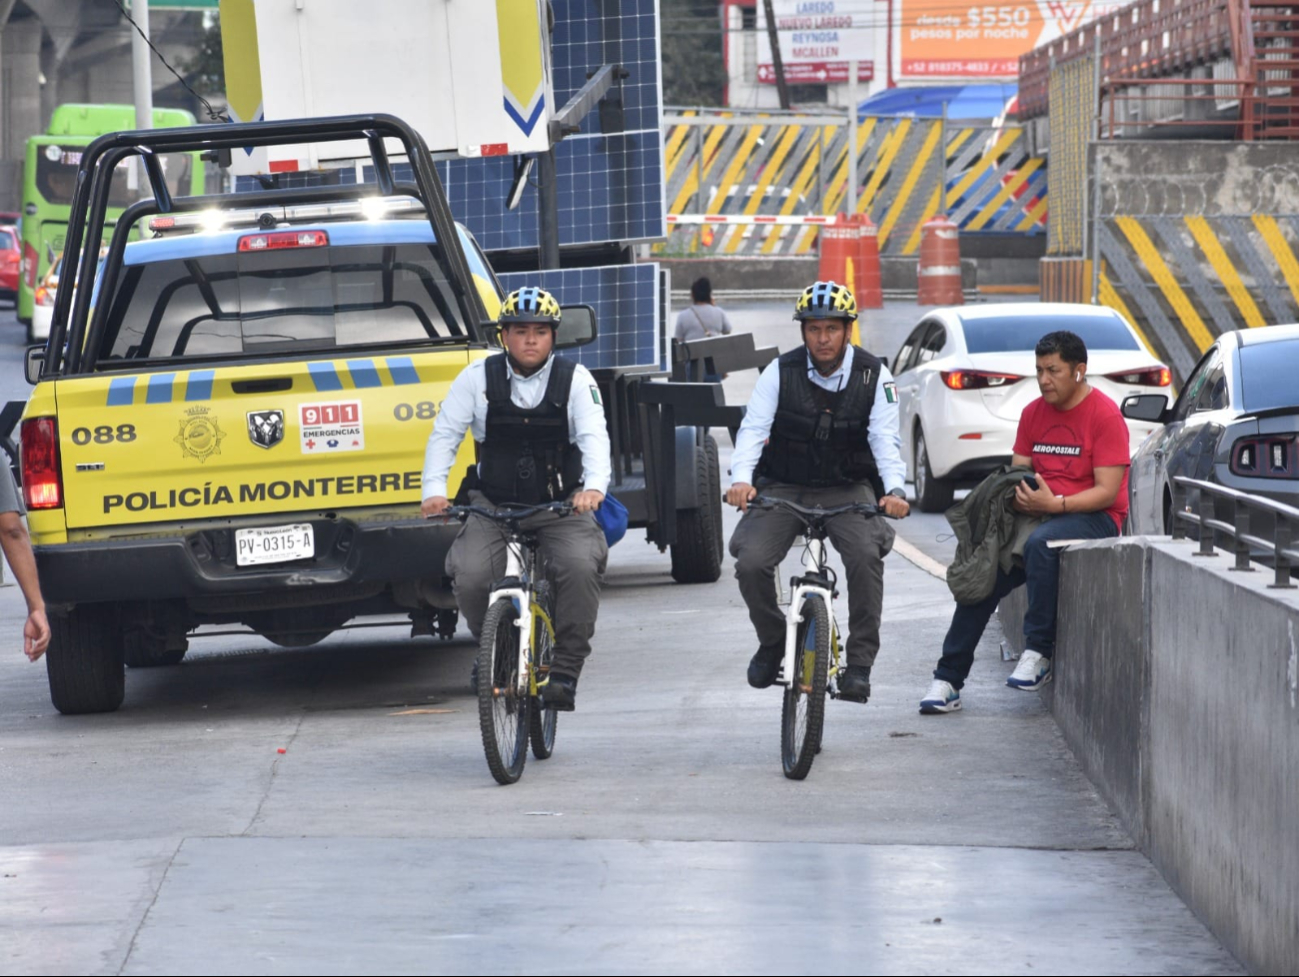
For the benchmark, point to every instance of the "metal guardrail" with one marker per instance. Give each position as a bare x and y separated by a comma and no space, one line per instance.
1228,511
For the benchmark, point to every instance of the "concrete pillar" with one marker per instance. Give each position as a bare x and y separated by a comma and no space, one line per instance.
20,102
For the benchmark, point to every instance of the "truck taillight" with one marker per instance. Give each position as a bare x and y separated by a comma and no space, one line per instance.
44,296
283,239
42,483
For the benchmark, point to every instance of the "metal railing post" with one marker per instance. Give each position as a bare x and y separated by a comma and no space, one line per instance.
1207,514
1178,505
1283,538
1240,519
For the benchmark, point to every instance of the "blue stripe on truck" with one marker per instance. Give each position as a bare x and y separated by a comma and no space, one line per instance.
121,392
160,387
200,385
403,371
324,376
364,374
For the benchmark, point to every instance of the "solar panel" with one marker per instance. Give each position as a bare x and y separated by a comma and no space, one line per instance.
629,310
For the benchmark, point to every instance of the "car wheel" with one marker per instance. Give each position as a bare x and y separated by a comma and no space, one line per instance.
932,494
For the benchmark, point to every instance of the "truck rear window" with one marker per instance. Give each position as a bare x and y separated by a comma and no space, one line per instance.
251,303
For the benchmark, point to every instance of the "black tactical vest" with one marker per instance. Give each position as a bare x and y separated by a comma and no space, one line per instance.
526,456
818,438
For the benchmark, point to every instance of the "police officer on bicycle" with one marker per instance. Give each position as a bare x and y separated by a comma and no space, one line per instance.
540,428
821,430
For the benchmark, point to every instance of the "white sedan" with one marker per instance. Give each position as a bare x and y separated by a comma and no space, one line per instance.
966,373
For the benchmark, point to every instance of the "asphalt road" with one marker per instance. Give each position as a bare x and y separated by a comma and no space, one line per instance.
256,810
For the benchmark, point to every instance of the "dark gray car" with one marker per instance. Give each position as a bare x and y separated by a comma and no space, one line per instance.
1236,422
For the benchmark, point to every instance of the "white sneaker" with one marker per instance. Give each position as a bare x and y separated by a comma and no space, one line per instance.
941,697
1032,672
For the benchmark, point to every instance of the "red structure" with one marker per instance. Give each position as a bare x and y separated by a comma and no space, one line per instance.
866,278
1162,66
839,252
940,263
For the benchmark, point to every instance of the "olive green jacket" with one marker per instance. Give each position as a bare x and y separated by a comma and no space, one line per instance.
990,534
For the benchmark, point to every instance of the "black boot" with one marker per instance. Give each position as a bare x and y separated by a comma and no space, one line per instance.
855,683
765,666
559,693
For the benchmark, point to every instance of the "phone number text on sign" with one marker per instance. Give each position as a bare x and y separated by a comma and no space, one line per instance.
325,428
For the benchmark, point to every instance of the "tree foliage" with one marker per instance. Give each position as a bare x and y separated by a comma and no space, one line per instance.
693,71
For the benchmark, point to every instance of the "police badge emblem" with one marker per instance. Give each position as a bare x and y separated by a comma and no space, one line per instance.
266,427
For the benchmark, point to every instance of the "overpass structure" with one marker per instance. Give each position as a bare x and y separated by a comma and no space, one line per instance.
56,51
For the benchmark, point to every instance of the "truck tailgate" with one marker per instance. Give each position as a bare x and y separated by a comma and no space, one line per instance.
232,441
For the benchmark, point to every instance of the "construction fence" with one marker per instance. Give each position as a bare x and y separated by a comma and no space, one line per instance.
1197,240
762,185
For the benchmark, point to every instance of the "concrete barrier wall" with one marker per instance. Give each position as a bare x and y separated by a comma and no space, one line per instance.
1177,686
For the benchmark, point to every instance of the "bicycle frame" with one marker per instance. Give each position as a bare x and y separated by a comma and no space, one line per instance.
519,566
799,588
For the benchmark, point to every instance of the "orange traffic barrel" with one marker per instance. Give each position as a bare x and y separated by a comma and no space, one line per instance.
866,287
839,251
940,263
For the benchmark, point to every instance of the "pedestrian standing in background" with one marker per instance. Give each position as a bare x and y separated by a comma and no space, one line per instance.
702,318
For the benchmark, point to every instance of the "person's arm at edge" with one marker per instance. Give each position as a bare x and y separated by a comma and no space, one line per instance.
17,547
449,427
753,434
590,429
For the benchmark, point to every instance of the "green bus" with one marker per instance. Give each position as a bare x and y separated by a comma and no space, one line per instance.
50,177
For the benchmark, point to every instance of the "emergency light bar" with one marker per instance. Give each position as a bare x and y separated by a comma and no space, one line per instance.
368,208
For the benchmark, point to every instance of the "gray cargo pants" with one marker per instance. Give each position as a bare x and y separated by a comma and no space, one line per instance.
764,536
573,554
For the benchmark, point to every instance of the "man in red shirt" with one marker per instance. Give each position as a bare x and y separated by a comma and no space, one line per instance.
1076,442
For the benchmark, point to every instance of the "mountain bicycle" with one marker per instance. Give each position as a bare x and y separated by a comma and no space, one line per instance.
516,647
813,651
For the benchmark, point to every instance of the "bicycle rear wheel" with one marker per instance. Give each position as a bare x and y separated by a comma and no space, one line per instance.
502,709
803,713
542,722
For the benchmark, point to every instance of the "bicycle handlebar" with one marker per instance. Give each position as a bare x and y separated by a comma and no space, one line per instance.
817,513
508,512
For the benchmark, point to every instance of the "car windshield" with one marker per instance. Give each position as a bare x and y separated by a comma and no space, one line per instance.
7,241
1267,375
290,299
1017,333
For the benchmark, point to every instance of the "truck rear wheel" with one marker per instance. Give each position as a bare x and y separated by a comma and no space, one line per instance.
85,661
697,553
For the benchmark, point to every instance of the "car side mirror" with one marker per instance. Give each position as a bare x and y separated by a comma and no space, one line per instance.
34,363
1152,408
577,327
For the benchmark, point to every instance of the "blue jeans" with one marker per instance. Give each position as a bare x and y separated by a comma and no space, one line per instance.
1041,571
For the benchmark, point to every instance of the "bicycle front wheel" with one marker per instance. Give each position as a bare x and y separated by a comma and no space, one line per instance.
803,714
502,708
542,722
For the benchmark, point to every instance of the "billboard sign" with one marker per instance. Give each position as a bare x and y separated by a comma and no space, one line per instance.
818,38
938,40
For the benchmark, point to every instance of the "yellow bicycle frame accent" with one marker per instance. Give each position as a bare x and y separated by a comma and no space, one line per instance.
539,617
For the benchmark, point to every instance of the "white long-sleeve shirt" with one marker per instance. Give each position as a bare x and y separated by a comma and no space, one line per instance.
882,432
465,409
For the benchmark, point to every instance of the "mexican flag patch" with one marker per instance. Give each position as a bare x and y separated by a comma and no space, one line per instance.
891,392
595,395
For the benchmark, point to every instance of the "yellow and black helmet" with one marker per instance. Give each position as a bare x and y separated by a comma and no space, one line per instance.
826,300
530,305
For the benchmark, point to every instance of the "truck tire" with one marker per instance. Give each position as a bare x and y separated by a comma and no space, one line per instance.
85,661
697,553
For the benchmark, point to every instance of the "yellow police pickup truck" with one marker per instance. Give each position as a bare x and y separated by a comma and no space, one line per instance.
230,427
